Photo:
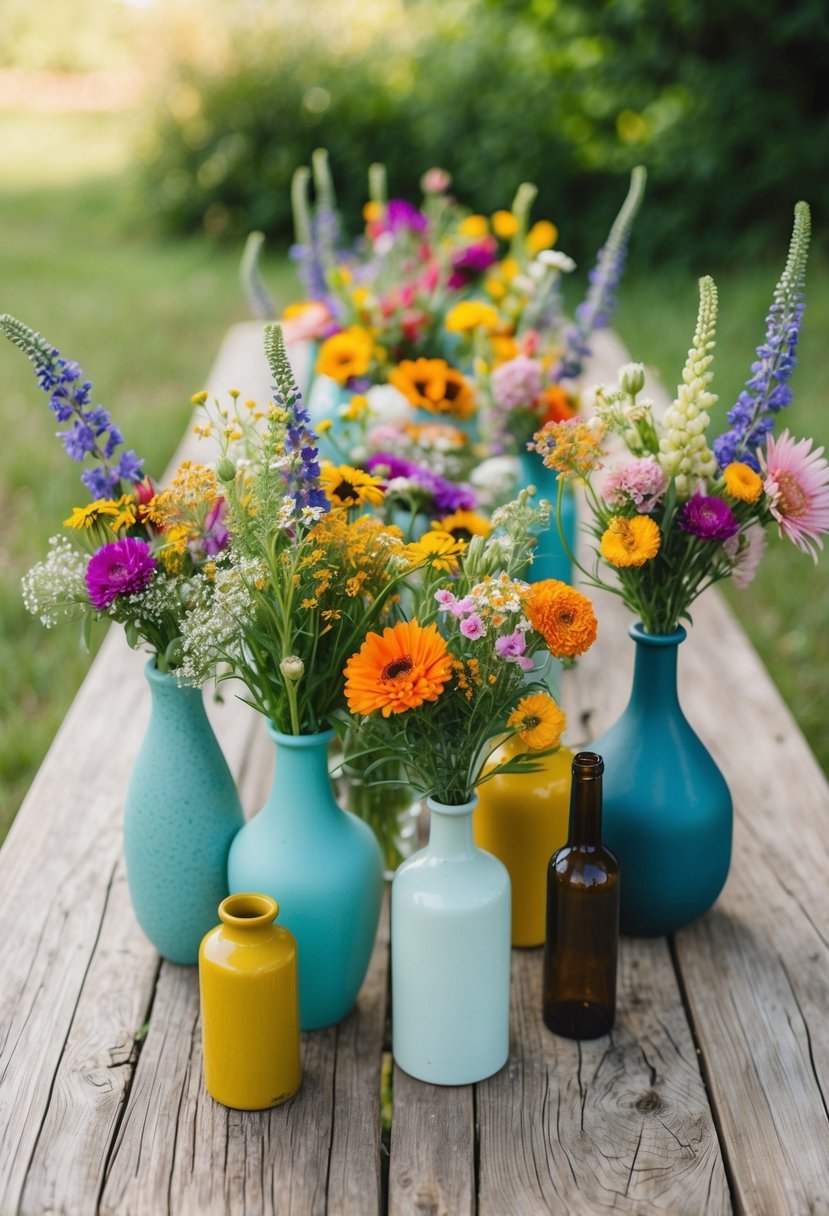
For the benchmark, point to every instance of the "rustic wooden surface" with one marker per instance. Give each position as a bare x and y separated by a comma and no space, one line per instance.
710,1095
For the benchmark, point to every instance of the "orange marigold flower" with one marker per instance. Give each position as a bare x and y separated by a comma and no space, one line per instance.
742,482
556,404
539,721
346,354
431,384
563,616
630,542
399,670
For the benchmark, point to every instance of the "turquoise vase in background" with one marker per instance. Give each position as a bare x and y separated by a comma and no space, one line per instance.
180,816
450,955
324,867
549,557
667,809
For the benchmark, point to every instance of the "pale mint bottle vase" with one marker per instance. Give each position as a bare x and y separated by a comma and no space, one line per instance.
450,955
667,811
180,816
324,867
550,558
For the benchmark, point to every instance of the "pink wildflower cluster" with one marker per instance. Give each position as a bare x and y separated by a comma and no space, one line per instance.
516,383
641,482
493,606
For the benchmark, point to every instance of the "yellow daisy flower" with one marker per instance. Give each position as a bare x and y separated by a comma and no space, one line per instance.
742,482
463,525
85,517
630,542
439,550
346,354
539,721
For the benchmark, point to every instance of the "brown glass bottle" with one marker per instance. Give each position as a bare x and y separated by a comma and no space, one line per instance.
582,916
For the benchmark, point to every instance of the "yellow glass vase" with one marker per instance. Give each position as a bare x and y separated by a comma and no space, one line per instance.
250,1006
522,818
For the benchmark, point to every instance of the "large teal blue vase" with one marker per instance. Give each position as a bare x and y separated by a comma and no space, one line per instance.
450,955
550,558
667,808
325,869
180,816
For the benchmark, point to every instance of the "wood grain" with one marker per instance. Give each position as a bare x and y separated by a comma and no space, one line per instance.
432,1153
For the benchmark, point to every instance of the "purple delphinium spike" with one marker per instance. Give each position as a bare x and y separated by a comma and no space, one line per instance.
767,390
300,467
92,432
596,310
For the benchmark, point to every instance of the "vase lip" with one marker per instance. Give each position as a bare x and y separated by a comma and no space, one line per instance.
446,808
164,677
311,739
639,634
248,910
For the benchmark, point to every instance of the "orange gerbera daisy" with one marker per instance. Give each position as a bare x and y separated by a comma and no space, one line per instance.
399,670
563,616
431,384
345,486
346,354
538,720
556,404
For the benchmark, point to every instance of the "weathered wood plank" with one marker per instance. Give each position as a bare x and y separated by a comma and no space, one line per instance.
618,1124
79,980
179,1151
432,1152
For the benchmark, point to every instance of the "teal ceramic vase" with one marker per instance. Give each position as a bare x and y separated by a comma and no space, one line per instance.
550,559
324,867
667,808
180,816
450,955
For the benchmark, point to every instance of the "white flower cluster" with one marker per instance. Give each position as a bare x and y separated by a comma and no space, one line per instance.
683,449
55,589
211,632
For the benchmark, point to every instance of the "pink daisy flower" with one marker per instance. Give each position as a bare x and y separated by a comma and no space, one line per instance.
797,484
746,550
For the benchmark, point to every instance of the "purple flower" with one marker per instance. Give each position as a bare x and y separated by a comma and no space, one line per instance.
78,441
101,483
215,532
400,214
471,261
511,646
517,382
123,567
708,518
130,467
446,495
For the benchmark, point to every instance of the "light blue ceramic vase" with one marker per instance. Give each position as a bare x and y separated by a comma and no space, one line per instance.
325,869
549,557
450,955
180,816
667,810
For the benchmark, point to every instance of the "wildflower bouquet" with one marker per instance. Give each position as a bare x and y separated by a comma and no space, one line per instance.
133,554
671,514
444,687
306,573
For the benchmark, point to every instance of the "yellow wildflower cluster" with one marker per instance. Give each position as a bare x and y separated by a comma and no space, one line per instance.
570,446
467,674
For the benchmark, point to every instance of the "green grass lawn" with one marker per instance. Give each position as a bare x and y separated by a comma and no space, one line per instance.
144,318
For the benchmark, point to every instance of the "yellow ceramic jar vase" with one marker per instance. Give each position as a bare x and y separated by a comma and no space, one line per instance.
522,818
250,1006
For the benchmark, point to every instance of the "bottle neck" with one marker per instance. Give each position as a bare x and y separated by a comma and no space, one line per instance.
586,813
450,830
654,670
302,785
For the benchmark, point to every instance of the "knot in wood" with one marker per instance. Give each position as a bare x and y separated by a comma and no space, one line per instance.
649,1102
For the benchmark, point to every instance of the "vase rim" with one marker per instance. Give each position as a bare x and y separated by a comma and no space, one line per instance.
164,677
446,808
639,634
248,910
311,739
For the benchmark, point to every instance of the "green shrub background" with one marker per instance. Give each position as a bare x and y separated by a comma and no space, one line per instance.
724,103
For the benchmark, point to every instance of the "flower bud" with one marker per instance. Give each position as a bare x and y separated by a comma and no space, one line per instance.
226,469
632,378
292,668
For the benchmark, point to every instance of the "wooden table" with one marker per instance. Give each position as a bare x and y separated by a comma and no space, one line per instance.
710,1096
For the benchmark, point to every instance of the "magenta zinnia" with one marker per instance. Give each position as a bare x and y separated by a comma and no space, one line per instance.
121,568
797,483
708,518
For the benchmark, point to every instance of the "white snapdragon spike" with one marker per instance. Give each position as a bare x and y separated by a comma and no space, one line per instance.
683,449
